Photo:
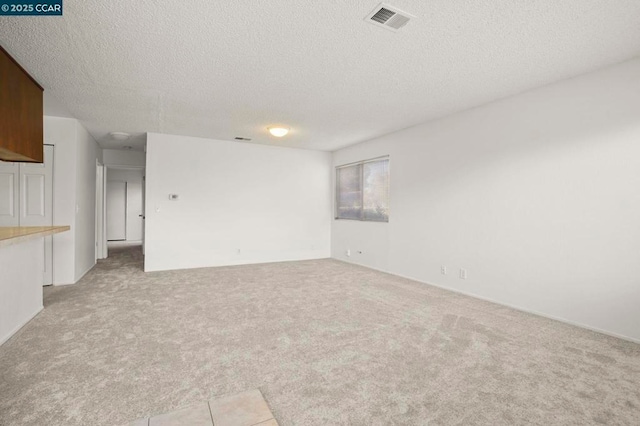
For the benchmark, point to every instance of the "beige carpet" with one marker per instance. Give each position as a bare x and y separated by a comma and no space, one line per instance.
326,343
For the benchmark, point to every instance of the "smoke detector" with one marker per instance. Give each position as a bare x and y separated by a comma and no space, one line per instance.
388,17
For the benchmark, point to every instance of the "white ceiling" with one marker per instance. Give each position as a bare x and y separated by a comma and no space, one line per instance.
221,69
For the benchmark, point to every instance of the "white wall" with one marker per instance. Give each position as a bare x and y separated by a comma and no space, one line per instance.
239,203
134,180
118,157
88,152
537,196
61,132
21,281
74,181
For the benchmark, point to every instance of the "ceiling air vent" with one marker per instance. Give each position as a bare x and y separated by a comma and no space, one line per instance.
388,17
238,138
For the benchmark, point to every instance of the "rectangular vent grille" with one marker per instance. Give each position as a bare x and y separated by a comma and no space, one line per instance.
397,21
238,138
383,15
388,17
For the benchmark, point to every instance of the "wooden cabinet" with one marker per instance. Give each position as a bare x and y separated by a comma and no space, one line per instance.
21,113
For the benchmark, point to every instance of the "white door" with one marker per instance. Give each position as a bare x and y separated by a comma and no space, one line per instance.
9,190
36,202
100,213
144,214
134,211
116,211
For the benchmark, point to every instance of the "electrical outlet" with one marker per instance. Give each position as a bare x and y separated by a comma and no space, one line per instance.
463,274
348,253
443,270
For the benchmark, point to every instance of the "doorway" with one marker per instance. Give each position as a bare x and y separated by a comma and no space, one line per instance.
101,236
124,206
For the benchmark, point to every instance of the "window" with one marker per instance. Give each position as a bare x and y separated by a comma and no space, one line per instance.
362,190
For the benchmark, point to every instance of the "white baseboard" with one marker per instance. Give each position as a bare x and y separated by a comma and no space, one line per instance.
78,279
85,272
124,243
486,299
4,339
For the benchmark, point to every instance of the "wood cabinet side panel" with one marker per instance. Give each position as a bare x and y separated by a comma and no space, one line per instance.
21,113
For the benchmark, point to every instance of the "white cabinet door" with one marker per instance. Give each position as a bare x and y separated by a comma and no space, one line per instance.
36,202
9,190
26,199
36,198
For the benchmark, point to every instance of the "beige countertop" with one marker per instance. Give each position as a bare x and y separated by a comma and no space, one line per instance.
14,234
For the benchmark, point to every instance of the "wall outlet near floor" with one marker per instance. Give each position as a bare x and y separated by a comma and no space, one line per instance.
463,274
348,252
443,270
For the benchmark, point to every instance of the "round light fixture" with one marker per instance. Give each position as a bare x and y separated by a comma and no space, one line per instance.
278,131
120,136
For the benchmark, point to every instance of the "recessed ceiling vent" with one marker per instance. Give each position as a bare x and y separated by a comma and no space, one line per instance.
388,17
238,138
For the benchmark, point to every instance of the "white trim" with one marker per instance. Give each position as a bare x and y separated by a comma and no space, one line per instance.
370,160
124,167
124,243
105,249
226,265
85,272
81,276
486,299
62,284
15,330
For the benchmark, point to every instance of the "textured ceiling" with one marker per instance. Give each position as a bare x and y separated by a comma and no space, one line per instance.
222,69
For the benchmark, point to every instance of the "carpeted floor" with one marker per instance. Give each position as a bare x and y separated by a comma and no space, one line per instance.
326,342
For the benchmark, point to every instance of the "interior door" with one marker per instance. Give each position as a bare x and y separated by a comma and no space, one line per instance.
36,202
116,211
144,204
134,211
9,190
100,212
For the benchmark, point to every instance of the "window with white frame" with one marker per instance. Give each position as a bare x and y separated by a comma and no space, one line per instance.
362,190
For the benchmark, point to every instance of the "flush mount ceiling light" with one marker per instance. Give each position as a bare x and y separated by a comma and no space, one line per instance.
120,136
278,131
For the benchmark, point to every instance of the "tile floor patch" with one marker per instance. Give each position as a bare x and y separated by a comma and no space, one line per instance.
198,415
271,422
244,409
